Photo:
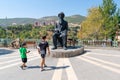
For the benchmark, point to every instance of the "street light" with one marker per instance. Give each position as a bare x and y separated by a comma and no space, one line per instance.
5,40
119,25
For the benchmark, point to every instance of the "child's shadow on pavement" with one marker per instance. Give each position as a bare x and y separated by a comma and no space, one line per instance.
55,68
48,68
33,67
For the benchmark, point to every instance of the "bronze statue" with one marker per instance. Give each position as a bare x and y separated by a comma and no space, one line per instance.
60,32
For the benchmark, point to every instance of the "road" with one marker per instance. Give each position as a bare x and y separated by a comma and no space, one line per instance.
94,64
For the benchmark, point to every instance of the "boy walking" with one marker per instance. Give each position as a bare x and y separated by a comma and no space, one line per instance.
23,51
43,48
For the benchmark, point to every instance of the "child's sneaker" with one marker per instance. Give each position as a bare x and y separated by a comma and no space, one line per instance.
42,70
45,65
22,67
25,66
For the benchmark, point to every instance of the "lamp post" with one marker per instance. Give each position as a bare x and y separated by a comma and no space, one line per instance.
119,25
5,40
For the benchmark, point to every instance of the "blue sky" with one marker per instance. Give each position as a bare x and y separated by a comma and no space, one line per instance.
41,8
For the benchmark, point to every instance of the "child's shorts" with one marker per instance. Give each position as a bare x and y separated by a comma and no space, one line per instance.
43,55
24,60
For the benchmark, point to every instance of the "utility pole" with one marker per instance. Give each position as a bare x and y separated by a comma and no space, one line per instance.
6,40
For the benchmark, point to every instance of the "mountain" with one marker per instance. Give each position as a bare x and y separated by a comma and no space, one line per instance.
10,21
75,19
48,18
71,19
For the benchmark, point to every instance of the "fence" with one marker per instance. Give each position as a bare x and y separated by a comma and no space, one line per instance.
100,43
5,42
97,43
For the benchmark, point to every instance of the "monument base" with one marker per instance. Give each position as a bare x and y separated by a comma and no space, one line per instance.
70,52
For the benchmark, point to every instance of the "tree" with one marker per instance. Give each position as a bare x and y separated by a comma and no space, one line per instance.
101,22
2,33
91,27
110,16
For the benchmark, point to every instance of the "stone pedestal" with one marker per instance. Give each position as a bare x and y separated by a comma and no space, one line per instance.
70,52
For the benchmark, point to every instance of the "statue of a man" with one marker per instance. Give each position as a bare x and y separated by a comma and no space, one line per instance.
60,34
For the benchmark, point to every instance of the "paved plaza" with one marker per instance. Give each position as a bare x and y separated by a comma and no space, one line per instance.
94,64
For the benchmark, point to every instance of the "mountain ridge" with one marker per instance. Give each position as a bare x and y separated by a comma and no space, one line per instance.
77,19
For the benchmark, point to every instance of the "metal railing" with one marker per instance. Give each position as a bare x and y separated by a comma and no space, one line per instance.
100,43
97,43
